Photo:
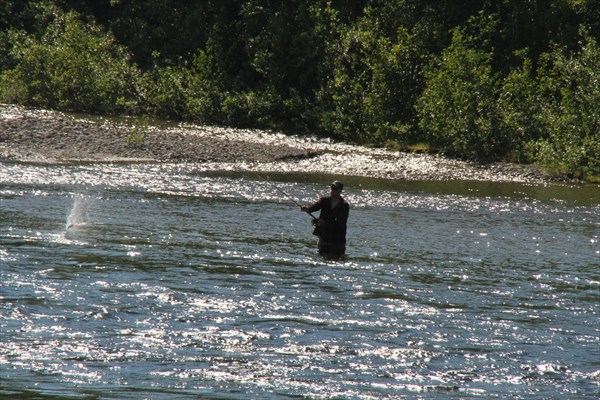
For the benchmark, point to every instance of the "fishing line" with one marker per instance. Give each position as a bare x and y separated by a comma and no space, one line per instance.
283,193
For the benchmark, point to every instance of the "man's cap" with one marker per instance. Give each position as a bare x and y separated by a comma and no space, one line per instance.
337,185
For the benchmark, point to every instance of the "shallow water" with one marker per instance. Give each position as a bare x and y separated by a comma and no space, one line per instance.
172,281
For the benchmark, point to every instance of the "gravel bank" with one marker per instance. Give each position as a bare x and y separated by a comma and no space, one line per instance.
33,135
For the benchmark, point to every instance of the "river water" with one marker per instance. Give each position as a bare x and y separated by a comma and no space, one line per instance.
169,281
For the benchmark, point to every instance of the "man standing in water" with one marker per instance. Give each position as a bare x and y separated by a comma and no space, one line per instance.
331,225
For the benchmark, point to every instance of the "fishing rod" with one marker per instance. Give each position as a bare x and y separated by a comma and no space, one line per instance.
285,194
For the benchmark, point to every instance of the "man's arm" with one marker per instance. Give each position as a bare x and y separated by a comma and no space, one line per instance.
312,208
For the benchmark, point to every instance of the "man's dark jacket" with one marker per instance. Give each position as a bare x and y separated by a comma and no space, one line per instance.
334,229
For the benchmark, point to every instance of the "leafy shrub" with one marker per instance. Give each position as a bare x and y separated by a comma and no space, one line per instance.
458,107
520,108
206,88
138,132
73,66
570,91
165,92
253,109
376,80
553,115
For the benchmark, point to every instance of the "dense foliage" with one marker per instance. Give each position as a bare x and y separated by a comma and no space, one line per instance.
478,79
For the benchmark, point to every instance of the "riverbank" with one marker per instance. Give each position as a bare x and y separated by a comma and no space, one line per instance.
33,135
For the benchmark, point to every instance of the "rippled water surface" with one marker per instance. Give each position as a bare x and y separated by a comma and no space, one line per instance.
171,281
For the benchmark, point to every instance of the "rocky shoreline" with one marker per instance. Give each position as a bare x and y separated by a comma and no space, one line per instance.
33,135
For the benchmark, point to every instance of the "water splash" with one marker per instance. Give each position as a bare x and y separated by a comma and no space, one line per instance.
79,214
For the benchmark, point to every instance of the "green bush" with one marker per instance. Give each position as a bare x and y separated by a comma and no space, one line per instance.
350,85
207,89
553,115
14,88
165,92
458,108
72,66
252,109
376,80
570,92
520,108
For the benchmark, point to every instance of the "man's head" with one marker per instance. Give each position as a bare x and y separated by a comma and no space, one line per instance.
337,186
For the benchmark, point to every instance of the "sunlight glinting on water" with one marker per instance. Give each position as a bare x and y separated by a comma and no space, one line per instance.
151,178
208,284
